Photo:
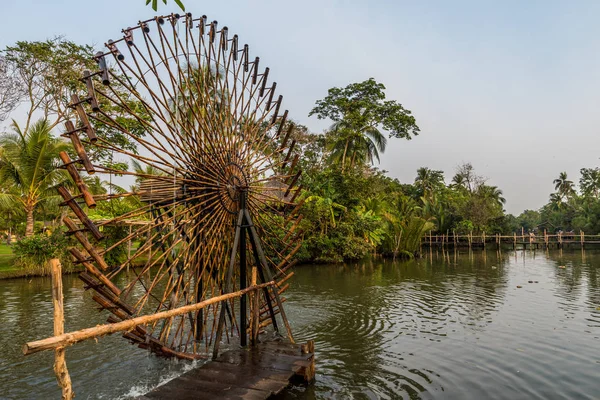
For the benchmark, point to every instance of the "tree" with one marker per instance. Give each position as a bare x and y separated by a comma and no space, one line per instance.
49,72
466,178
564,186
492,193
12,90
429,181
590,182
29,168
351,146
359,111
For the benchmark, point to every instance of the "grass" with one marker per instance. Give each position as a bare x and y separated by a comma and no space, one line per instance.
7,267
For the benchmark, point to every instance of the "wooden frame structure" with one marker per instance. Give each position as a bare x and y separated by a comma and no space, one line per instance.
216,184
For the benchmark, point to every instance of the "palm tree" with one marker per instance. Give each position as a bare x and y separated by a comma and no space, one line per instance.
590,182
327,208
29,168
145,170
564,186
492,193
353,144
428,181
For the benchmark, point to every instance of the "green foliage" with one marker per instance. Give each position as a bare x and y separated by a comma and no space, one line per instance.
49,72
363,104
359,111
29,169
34,253
114,234
155,4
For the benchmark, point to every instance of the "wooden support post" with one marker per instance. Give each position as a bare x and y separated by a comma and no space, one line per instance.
243,283
254,310
470,238
60,364
582,238
483,238
308,373
514,241
560,240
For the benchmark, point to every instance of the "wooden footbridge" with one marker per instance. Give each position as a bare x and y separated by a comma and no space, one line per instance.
523,240
254,373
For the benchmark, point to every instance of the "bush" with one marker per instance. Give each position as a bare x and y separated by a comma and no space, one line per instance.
34,253
114,234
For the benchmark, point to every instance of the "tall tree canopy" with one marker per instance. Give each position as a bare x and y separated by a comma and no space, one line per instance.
362,105
44,75
359,112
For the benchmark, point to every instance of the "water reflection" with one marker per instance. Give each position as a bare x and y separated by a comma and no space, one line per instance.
452,325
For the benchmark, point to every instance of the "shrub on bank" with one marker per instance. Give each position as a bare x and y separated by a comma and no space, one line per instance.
34,253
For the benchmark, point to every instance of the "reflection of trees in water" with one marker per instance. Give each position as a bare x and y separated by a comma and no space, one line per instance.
469,284
568,280
581,269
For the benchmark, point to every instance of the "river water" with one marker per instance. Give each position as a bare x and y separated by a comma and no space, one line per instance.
448,326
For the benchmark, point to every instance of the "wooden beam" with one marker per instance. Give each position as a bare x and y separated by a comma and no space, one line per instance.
60,364
70,338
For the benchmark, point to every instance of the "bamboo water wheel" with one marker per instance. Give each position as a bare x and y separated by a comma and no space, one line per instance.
216,192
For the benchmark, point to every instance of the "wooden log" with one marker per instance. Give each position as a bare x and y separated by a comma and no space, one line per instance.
286,278
286,137
294,162
60,364
85,243
70,201
94,271
79,149
87,76
70,338
288,257
89,130
83,189
282,271
99,287
293,182
293,228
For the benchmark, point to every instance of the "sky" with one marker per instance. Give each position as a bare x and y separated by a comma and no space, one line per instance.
511,87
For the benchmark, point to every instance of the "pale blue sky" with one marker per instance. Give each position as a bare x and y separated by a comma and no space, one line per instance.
510,86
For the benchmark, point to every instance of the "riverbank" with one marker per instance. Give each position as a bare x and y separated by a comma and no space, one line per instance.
7,267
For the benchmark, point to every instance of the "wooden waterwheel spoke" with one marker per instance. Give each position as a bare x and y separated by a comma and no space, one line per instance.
215,146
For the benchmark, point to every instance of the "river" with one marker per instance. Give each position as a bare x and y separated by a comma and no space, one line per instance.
447,326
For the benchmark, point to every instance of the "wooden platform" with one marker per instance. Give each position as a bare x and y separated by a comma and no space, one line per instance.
248,373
